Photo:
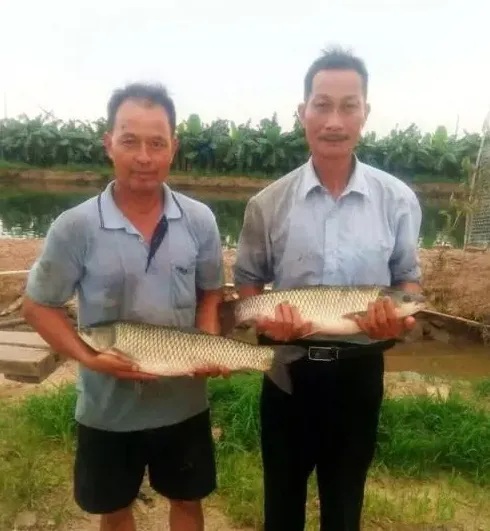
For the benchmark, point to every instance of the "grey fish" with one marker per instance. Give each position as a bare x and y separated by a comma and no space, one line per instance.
330,308
172,351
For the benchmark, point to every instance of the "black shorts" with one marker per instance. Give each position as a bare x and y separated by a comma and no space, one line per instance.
110,466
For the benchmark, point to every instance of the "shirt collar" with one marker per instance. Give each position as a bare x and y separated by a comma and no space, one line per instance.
357,182
112,218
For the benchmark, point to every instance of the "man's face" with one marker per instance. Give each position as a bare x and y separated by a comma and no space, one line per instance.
141,146
334,114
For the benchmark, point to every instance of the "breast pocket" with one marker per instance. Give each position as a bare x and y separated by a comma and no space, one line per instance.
297,254
368,260
183,283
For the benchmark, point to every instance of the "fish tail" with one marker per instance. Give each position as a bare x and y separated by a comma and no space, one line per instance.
283,357
287,355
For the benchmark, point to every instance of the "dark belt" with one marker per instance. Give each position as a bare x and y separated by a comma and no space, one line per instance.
330,351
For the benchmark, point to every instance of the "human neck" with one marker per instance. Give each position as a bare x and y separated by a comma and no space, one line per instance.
136,204
333,173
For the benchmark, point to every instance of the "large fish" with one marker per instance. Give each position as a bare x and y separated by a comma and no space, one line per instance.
171,351
331,309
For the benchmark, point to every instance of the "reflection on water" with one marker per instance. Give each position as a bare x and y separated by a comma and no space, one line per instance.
28,210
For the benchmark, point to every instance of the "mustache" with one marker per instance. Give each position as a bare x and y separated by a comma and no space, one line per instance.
333,137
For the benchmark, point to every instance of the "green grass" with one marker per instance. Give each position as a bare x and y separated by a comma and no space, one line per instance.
432,463
35,456
481,388
417,435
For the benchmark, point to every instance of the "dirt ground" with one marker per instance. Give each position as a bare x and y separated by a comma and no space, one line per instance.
456,281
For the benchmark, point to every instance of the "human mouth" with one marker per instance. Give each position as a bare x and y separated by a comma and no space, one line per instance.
145,174
334,138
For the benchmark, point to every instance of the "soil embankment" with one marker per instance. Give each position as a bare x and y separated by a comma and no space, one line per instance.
217,182
456,281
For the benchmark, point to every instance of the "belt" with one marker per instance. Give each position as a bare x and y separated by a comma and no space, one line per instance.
325,351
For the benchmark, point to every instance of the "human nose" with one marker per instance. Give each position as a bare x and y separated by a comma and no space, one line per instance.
333,120
142,156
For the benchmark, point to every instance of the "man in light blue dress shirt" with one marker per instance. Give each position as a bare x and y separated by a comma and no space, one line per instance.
137,251
333,220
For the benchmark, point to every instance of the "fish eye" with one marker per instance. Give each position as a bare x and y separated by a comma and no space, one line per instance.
407,297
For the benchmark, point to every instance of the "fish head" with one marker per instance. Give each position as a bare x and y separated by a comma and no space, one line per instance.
100,338
405,302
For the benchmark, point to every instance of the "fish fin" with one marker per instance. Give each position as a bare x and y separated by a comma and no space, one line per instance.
283,357
352,315
190,330
287,354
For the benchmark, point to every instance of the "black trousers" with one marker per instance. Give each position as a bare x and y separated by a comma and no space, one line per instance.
329,423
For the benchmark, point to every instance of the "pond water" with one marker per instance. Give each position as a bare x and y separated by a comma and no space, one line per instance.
27,209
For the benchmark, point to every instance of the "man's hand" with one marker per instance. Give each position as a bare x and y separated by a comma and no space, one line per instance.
117,365
212,371
381,321
286,326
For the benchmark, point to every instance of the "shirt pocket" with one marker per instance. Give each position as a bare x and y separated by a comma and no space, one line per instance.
297,252
368,260
183,276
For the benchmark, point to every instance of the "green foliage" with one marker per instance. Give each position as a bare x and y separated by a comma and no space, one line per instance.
223,147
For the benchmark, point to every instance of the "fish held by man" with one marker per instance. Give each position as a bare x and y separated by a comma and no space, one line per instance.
331,309
172,351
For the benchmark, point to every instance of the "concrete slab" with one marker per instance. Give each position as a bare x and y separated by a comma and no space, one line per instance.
22,339
26,363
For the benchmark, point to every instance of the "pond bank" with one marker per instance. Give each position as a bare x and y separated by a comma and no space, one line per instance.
211,182
456,282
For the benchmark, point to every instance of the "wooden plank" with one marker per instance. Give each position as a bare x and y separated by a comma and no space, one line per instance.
8,273
9,323
32,364
22,339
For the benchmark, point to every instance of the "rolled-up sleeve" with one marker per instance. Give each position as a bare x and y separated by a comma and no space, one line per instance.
253,262
405,262
209,272
55,275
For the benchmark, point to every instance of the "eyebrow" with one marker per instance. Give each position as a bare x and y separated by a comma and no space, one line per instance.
326,97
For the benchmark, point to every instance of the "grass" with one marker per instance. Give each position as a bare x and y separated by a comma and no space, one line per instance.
432,465
35,456
481,388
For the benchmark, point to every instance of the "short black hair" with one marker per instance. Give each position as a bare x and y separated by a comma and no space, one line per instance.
335,58
155,94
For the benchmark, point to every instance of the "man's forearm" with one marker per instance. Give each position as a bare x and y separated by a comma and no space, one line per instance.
207,317
249,291
53,326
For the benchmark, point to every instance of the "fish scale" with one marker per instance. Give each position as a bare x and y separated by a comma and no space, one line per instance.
172,351
330,308
331,302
